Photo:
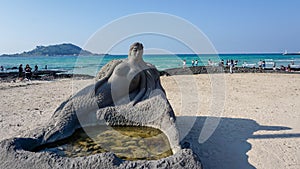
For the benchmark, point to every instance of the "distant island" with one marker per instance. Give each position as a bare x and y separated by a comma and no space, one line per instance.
55,50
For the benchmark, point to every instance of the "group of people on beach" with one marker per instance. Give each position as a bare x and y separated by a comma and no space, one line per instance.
26,72
232,64
194,63
229,63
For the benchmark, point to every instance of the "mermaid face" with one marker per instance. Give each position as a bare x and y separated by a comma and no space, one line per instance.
136,51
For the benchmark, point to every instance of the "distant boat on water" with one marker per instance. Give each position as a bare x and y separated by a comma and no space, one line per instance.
286,53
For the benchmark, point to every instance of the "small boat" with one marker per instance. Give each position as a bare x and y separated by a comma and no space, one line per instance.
286,53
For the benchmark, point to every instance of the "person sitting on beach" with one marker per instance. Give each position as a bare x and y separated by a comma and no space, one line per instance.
2,68
28,72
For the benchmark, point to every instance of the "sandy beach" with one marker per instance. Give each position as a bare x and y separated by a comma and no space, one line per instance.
255,125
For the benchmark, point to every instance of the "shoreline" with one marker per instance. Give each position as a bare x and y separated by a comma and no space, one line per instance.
220,69
46,75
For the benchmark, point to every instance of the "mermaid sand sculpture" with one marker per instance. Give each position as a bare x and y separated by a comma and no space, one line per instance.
120,85
126,93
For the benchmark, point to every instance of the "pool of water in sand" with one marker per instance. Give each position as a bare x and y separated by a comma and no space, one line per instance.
128,143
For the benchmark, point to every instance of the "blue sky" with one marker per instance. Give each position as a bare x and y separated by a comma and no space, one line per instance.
232,26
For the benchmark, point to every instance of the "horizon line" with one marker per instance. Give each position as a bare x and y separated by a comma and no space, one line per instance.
125,53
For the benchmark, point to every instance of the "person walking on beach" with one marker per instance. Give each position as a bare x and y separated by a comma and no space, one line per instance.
36,68
20,72
196,62
274,65
259,64
193,62
184,63
288,68
222,63
231,66
210,63
236,62
263,64
28,72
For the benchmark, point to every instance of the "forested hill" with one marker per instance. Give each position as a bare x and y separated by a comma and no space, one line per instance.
54,50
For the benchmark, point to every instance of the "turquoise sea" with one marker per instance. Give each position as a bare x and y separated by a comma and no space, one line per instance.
91,64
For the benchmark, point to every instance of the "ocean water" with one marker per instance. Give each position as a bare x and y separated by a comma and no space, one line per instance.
91,64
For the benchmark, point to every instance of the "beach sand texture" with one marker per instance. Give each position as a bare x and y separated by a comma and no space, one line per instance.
256,127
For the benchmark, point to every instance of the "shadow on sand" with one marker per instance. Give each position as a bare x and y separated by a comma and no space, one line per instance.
226,148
